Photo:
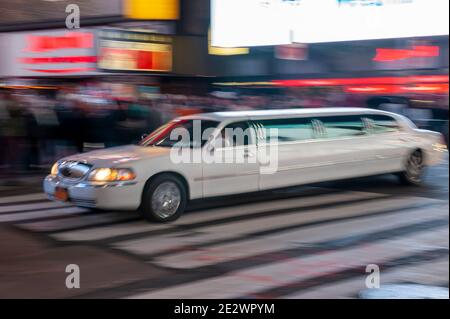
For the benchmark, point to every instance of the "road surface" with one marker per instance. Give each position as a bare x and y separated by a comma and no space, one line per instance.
304,242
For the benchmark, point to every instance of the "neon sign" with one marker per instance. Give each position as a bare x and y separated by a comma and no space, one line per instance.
417,51
71,52
71,40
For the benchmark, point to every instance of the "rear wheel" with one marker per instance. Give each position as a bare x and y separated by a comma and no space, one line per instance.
414,168
164,199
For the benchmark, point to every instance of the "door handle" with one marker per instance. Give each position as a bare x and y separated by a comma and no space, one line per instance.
248,154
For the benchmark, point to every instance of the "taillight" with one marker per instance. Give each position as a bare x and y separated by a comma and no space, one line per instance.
440,146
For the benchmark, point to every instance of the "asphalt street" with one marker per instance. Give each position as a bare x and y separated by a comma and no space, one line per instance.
304,242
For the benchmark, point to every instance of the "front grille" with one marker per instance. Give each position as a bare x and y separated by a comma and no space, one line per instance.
73,170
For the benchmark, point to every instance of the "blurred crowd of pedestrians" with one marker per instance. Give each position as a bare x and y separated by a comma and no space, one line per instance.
36,128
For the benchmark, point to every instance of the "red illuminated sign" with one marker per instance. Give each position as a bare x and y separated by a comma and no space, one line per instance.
378,85
63,71
60,59
137,60
70,40
391,89
417,51
124,50
364,81
71,52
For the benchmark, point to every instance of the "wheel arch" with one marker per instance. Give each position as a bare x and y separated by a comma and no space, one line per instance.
411,151
177,175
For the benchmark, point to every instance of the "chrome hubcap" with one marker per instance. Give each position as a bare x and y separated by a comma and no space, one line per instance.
415,167
166,199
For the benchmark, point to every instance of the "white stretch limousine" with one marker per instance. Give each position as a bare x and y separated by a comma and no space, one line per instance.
279,148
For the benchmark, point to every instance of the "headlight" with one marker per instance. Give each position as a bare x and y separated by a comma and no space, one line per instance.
54,170
111,175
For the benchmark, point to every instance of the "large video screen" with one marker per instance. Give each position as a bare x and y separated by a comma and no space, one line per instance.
272,22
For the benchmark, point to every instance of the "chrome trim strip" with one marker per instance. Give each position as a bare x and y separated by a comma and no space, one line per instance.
107,185
64,183
293,167
199,179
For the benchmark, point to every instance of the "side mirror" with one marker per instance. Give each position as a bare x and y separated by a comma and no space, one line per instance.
144,136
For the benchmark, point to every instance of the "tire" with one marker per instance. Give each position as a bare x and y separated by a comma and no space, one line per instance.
414,169
164,199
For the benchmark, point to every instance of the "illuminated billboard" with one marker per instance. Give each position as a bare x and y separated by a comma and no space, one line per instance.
123,50
275,22
59,52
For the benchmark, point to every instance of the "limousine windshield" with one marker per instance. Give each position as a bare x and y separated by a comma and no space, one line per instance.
181,133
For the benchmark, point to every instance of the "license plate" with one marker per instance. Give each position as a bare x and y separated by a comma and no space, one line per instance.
61,194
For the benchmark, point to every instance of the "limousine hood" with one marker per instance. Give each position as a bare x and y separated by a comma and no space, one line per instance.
118,156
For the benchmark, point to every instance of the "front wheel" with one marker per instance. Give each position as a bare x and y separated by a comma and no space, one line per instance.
164,199
414,169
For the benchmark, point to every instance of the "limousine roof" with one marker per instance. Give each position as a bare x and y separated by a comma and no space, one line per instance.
264,114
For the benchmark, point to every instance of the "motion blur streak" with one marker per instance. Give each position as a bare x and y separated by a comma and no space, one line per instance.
352,87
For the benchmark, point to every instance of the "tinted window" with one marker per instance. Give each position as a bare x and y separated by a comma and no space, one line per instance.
236,134
285,130
380,124
338,126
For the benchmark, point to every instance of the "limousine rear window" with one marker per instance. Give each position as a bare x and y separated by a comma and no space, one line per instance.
163,136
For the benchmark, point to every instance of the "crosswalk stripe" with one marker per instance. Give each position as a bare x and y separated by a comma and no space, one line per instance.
417,258
30,207
258,279
202,255
229,212
433,273
241,230
141,229
79,221
22,198
54,213
99,233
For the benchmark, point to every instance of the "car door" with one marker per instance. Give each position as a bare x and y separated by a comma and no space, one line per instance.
232,165
319,148
346,149
287,151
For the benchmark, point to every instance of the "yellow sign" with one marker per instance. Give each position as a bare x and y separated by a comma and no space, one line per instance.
224,51
152,9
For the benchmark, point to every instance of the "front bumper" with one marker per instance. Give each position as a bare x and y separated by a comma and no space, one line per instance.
117,195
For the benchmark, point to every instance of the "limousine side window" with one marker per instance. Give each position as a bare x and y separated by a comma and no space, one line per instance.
236,134
285,130
377,124
339,126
